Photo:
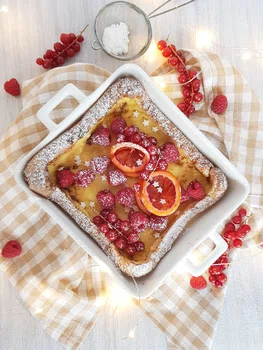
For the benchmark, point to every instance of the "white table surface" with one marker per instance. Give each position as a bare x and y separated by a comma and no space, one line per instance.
26,30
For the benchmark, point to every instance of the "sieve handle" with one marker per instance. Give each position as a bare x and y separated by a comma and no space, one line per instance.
93,45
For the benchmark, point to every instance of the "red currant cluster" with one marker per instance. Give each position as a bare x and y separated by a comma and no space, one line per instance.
187,78
233,233
68,47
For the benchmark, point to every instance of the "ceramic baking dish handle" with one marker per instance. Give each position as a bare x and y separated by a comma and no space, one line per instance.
220,248
44,112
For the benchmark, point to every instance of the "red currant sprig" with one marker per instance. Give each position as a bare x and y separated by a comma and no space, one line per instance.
187,78
233,234
68,47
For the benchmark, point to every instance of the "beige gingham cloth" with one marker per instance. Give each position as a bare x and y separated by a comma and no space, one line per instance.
60,284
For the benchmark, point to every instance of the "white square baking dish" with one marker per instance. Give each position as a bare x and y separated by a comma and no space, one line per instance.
202,227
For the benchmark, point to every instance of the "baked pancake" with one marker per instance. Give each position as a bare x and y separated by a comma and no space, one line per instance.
127,176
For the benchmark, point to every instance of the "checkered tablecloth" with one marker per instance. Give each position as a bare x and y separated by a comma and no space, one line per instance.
56,279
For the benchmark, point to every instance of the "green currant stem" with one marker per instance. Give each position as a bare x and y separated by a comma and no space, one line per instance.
73,42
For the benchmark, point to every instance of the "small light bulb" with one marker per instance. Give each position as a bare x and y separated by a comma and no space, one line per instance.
4,9
151,52
39,310
132,334
162,85
203,39
246,56
119,297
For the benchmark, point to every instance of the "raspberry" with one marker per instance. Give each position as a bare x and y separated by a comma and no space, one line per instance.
196,190
100,164
80,38
139,246
121,242
12,87
11,249
118,126
130,249
139,221
116,178
184,195
106,199
120,138
65,178
170,153
126,197
133,237
101,136
64,38
85,177
198,282
158,223
58,47
39,61
97,220
112,235
219,104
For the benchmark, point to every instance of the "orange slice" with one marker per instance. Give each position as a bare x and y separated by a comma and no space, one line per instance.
140,204
161,193
129,157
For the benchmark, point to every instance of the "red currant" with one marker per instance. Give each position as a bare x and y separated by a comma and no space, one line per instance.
245,228
76,47
121,242
50,54
186,92
162,165
112,235
173,48
112,217
130,249
133,237
144,175
222,278
125,225
192,73
153,150
173,61
145,143
191,109
60,60
218,284
64,38
71,37
70,52
196,85
237,243
242,212
153,140
188,100
97,220
58,47
180,68
139,246
212,279
166,52
47,63
182,78
104,213
80,38
229,227
136,138
198,97
40,61
182,106
104,228
237,219
161,44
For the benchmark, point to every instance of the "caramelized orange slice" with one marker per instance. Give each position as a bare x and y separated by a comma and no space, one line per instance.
129,157
161,193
